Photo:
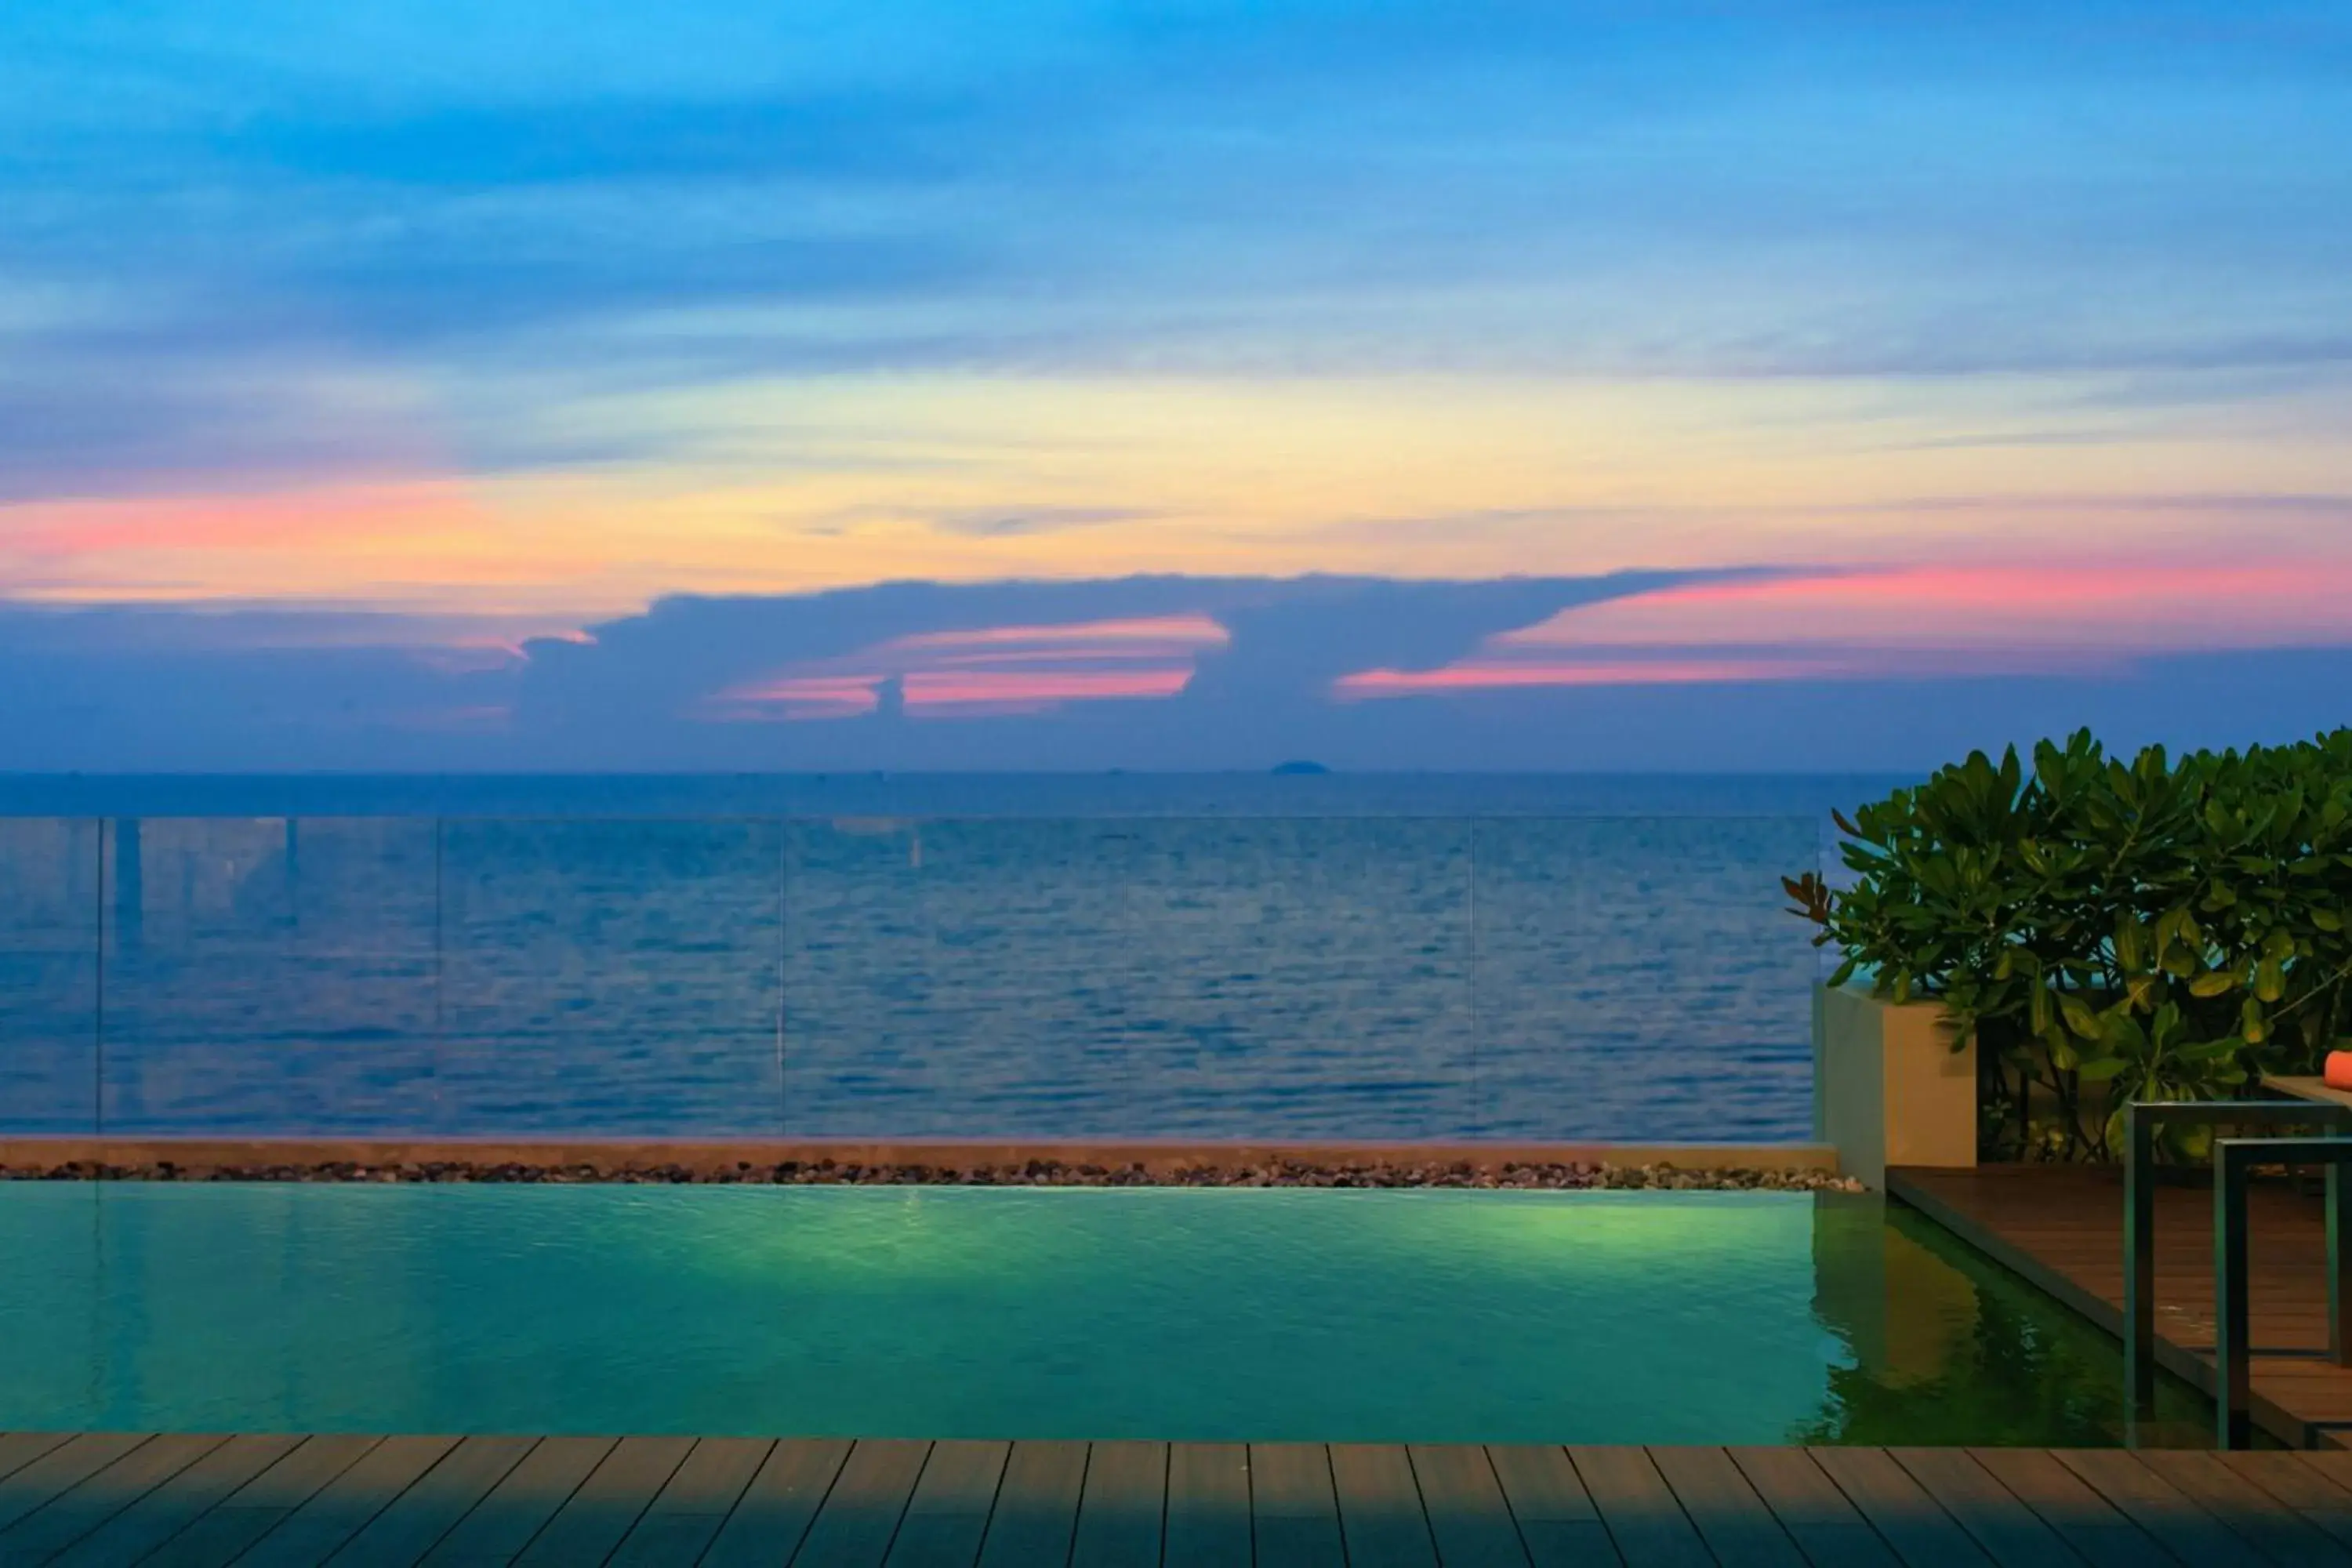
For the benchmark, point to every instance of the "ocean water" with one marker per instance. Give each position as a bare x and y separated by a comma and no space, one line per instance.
1369,956
991,1313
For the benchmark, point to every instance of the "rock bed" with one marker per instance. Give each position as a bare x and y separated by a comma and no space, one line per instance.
1027,1173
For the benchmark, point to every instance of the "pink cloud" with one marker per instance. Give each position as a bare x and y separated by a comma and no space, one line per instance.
1495,674
988,671
2114,607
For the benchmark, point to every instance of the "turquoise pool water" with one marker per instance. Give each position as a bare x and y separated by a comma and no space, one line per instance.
1216,1314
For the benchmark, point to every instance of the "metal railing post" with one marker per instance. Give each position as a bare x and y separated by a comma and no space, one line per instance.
2140,1264
2233,1162
2339,1263
2232,1358
2142,1118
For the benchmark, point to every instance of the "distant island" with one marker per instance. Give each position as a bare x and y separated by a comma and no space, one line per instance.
1299,768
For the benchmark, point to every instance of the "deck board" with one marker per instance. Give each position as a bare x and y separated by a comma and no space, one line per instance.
1208,1506
47,1530
774,1513
861,1513
515,1510
686,1514
1549,1502
171,1501
2002,1527
948,1517
419,1519
2062,1227
1819,1517
222,1532
1644,1516
339,1511
2102,1536
1037,1505
1294,1512
1468,1518
1381,1521
1905,1517
1725,1508
171,1507
1123,1508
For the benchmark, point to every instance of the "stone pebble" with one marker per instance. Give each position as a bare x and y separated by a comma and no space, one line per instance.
1027,1173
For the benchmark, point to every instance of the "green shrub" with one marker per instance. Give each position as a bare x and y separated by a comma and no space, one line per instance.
2110,931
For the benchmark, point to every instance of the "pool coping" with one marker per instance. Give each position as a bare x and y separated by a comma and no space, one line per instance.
1158,1157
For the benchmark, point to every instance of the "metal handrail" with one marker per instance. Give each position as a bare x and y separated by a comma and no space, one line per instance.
2234,1160
2141,1121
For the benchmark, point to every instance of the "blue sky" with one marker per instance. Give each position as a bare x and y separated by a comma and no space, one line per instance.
1995,360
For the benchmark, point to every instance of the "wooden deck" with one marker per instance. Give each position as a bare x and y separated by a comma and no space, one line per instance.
2062,1227
374,1502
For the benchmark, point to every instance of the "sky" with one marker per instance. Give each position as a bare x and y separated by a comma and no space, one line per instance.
1469,384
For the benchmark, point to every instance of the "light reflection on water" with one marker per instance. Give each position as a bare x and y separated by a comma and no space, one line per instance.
1174,1313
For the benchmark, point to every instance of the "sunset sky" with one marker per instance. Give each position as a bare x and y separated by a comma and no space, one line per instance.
1885,345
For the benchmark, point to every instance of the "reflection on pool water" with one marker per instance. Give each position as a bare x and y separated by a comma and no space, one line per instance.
941,1312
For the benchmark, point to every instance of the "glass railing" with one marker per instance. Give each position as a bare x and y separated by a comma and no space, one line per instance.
1176,977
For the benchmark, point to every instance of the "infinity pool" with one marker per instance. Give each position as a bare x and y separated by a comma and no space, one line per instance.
941,1312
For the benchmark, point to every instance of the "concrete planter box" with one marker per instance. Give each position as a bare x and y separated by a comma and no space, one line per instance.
1889,1087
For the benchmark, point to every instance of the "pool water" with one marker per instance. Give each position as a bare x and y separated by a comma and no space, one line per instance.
943,1313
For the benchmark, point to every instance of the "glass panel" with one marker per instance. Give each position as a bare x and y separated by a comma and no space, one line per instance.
1302,978
1637,979
955,978
48,974
269,975
611,977
1212,978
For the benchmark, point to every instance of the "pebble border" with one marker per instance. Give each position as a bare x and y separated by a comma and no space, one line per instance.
1027,1173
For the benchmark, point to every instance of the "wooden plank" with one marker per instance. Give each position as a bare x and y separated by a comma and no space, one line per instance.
1557,1523
60,1469
1123,1507
431,1508
2011,1533
496,1529
222,1533
686,1514
2187,1530
772,1517
592,1521
1463,1503
100,1496
1638,1507
18,1449
861,1514
1905,1516
341,1508
2100,1534
1725,1508
1294,1512
948,1515
2301,1487
163,1513
2271,1527
1037,1507
1380,1517
1822,1519
1208,1506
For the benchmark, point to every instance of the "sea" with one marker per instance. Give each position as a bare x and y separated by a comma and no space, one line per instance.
1297,955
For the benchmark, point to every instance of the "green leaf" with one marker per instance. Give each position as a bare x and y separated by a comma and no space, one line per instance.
2103,1069
2213,982
2079,1017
